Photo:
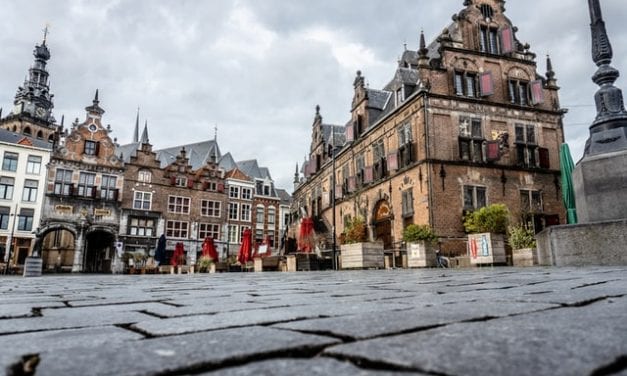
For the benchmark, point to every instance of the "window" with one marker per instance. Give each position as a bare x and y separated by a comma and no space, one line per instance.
359,168
180,181
208,230
486,11
141,227
30,190
405,146
178,204
259,236
407,204
63,183
399,96
466,84
246,212
233,209
474,197
379,159
271,216
5,212
531,201
144,176
142,200
488,40
471,140
107,189
33,165
247,194
260,214
91,147
176,229
526,147
518,92
266,190
234,235
210,208
9,163
286,219
86,186
25,220
233,192
6,188
404,134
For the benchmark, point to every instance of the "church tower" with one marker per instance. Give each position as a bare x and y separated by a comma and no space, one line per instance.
32,108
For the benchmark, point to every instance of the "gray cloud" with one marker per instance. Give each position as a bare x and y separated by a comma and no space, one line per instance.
258,68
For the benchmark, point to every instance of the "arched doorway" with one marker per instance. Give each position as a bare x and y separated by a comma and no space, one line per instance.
99,251
57,250
382,219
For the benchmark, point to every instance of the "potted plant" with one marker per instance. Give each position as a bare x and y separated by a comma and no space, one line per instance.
523,243
356,251
205,264
420,240
486,240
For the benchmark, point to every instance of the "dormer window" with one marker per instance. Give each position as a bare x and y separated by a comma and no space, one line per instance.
91,147
487,11
489,40
181,181
399,96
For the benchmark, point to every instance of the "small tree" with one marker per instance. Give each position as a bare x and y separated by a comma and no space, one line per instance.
355,231
521,237
492,218
414,233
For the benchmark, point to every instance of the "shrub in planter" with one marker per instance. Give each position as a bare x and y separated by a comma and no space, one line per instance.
355,231
204,264
521,237
492,218
414,233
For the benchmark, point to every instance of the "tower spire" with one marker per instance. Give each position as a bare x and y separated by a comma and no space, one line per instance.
144,139
136,133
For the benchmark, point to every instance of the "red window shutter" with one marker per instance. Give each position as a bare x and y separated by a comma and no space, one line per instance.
338,191
393,161
352,184
221,187
205,185
537,93
486,84
545,161
507,40
368,174
493,151
350,134
172,180
97,149
190,183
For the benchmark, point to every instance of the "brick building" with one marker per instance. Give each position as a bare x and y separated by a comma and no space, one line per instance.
466,121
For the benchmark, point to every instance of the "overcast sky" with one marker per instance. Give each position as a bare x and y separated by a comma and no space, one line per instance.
257,68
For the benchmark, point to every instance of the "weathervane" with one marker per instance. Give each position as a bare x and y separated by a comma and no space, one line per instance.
46,32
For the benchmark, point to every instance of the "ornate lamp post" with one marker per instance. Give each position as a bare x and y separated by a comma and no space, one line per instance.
11,240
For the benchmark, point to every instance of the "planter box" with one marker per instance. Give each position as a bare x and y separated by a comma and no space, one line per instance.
486,249
421,255
266,263
362,255
525,257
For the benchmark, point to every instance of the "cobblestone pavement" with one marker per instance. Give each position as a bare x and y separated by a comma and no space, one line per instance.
490,321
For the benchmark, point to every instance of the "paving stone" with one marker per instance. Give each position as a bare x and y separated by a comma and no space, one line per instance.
368,325
189,324
16,345
24,309
192,352
565,341
287,367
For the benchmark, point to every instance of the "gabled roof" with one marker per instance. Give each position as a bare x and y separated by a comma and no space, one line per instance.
251,168
285,197
237,174
339,135
127,151
227,162
15,138
378,98
199,154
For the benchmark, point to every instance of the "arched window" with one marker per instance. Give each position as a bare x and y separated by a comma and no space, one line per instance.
27,131
40,135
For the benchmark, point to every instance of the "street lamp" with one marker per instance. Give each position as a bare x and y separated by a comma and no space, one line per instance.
334,253
9,251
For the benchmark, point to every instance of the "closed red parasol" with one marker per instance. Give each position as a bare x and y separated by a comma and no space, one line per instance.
209,249
178,258
245,250
306,235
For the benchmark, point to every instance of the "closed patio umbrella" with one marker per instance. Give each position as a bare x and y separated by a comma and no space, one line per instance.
245,250
160,251
209,249
179,255
306,235
568,191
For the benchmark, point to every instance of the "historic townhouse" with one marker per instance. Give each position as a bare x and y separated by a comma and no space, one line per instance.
22,186
81,214
240,188
466,121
